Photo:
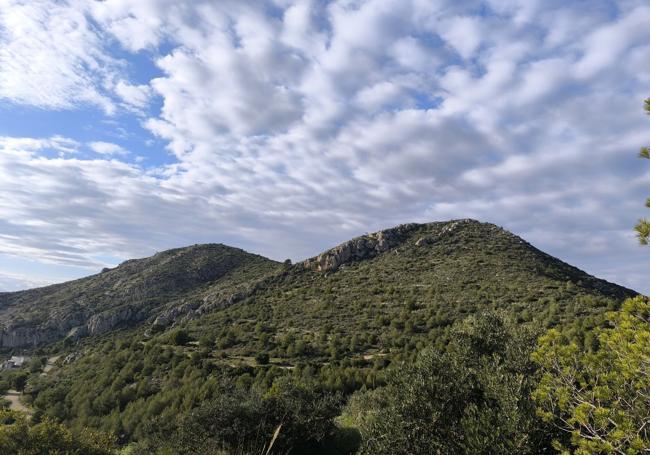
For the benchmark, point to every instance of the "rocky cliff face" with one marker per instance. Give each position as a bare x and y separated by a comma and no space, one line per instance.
74,327
11,337
359,248
192,309
109,320
370,245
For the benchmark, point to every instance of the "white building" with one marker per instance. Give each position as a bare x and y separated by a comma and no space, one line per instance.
14,362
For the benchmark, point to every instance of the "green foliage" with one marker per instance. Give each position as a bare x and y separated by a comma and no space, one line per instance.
602,397
473,398
180,337
297,419
19,380
335,332
643,226
18,436
262,358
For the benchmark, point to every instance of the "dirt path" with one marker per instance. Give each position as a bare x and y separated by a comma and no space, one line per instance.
50,364
14,397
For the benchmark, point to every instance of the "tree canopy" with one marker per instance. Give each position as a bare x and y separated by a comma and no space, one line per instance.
472,398
18,435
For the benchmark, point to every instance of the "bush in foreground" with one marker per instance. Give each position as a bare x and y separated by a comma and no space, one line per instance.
19,436
601,398
472,398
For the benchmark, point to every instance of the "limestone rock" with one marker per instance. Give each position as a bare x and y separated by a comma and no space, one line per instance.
424,241
363,247
109,320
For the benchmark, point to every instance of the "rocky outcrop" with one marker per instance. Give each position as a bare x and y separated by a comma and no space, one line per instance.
24,335
425,241
447,229
13,337
188,311
169,316
363,247
109,320
73,327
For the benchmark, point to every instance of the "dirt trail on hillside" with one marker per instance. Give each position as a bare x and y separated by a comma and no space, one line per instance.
14,397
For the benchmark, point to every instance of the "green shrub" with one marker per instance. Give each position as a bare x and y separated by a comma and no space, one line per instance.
180,337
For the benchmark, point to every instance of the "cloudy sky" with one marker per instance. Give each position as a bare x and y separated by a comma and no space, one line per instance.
285,127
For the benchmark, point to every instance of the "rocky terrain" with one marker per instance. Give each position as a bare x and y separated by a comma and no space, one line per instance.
136,291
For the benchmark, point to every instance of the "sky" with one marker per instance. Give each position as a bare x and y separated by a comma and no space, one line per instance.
283,127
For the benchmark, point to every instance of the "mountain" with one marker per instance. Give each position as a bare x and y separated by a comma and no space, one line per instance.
405,285
447,268
135,291
151,341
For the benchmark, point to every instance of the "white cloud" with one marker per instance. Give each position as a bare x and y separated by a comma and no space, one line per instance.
107,148
137,96
50,56
17,282
605,45
62,145
463,34
377,96
412,54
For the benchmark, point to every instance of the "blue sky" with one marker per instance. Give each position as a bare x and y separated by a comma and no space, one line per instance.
285,127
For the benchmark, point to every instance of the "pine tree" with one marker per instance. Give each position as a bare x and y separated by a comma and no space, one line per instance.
643,227
600,398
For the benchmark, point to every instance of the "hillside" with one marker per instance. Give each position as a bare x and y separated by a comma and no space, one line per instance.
220,324
133,292
435,272
398,287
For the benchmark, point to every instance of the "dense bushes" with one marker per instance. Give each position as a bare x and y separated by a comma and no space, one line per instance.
292,417
600,396
19,436
490,389
472,398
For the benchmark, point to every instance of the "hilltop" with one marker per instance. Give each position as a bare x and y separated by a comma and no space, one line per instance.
133,292
402,286
431,265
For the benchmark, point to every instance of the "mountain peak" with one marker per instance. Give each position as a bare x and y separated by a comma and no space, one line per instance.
132,292
370,245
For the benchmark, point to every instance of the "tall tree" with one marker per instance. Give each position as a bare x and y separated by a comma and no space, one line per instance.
643,227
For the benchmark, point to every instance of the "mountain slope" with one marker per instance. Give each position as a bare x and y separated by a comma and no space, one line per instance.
134,291
409,282
337,322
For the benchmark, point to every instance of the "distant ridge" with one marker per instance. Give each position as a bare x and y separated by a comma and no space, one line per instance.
128,294
459,259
